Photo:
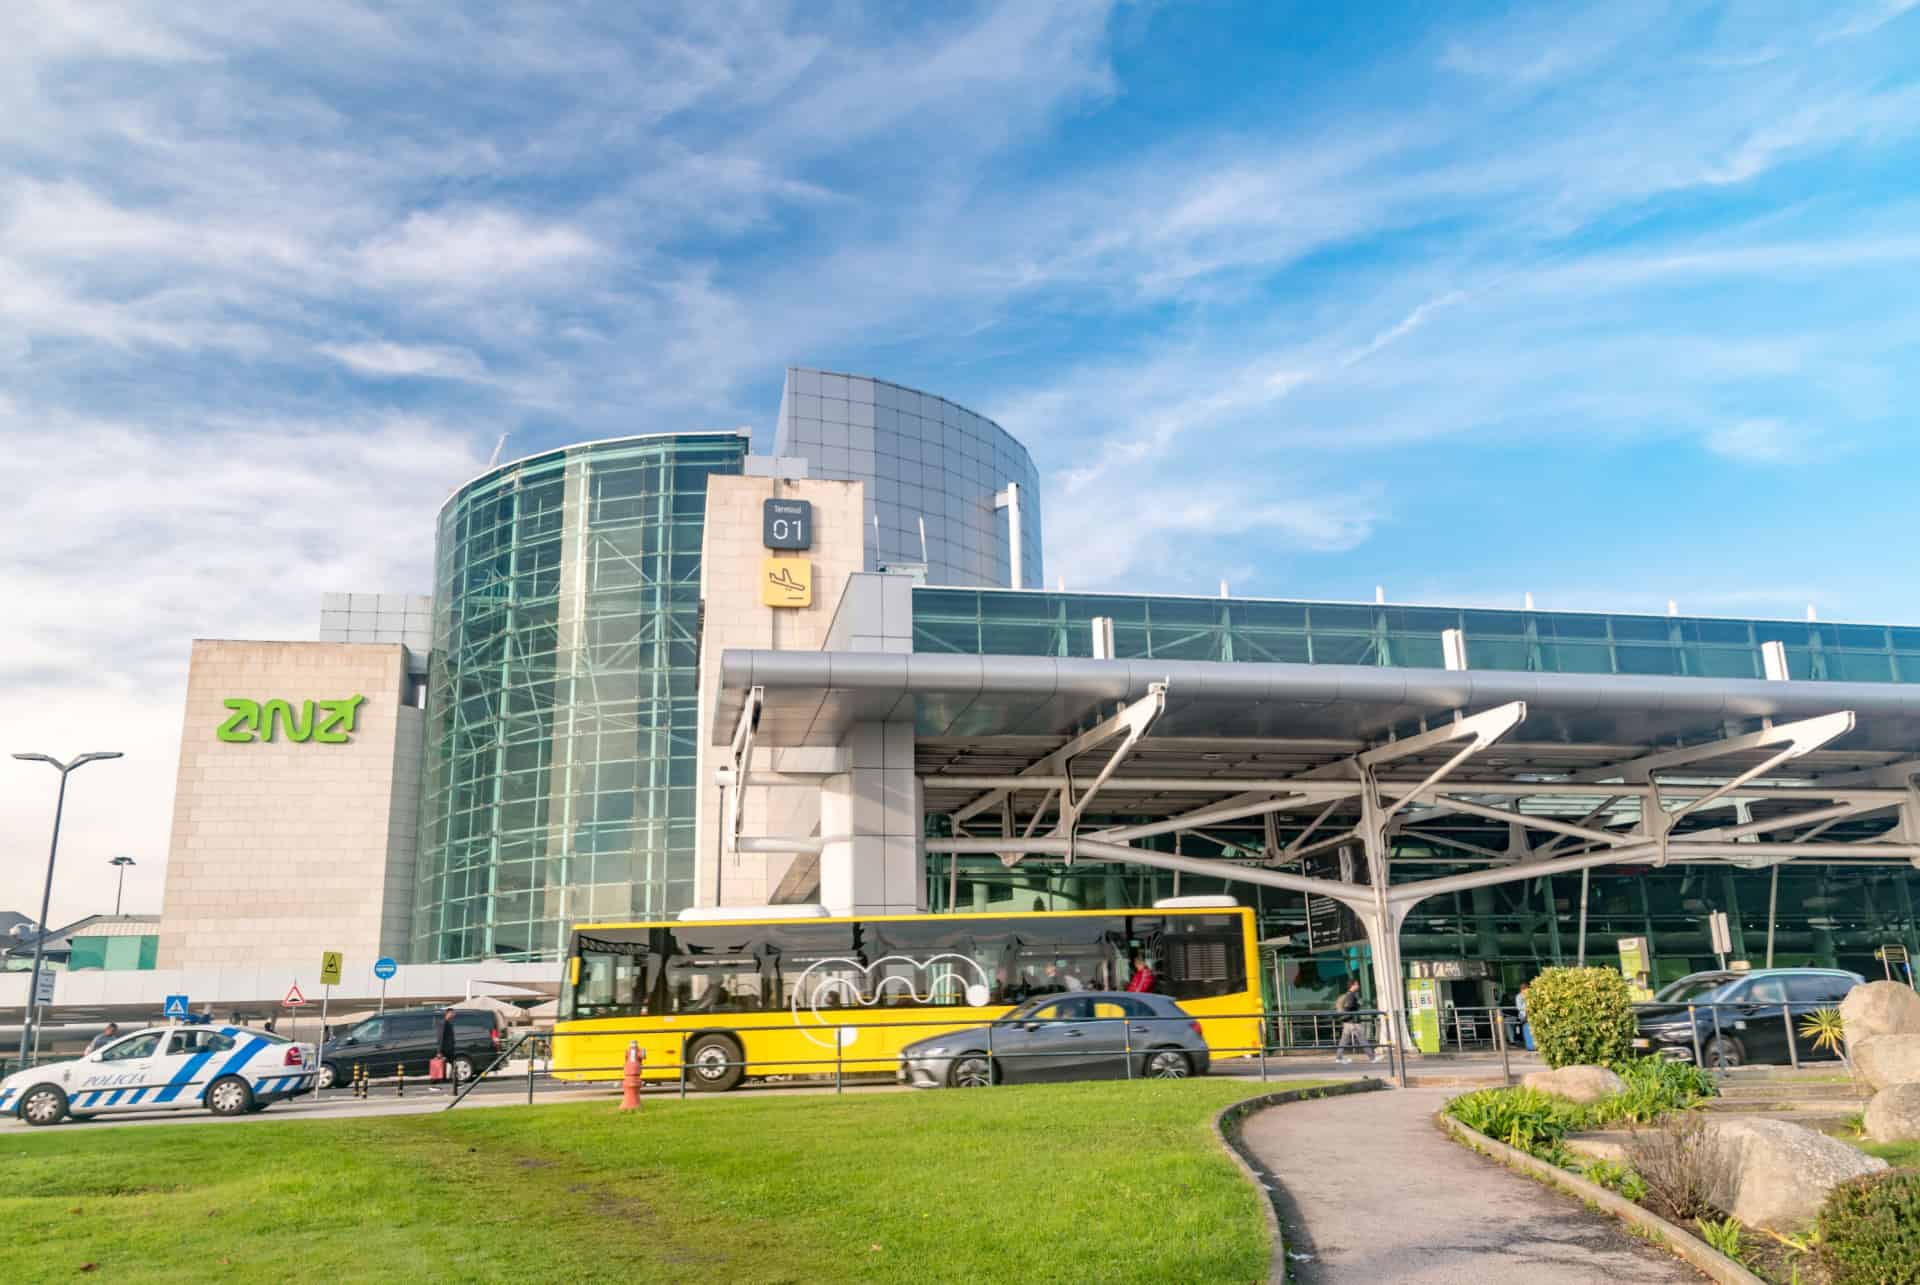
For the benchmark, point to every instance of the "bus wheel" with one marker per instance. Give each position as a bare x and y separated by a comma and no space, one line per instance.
714,1064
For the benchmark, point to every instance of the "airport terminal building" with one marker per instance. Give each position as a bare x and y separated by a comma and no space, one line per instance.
662,672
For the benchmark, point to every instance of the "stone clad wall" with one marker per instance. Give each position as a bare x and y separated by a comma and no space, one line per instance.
733,617
282,849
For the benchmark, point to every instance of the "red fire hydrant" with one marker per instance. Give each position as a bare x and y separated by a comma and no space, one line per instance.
630,1078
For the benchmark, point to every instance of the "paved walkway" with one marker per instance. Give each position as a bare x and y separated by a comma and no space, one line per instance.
1372,1191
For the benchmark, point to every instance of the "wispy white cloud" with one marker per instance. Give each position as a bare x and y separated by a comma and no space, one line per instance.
405,361
1759,441
1869,18
472,250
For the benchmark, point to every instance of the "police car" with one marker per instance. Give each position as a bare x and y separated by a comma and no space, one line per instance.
230,1070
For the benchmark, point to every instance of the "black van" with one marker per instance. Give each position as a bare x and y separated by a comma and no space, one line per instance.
410,1038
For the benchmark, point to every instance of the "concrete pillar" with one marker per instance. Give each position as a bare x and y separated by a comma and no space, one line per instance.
873,862
1382,920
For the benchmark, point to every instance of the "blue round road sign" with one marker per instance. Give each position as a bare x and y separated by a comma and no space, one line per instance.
383,968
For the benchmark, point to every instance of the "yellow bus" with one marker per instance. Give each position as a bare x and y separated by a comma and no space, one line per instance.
785,991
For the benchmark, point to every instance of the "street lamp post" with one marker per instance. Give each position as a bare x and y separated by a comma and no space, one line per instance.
121,887
46,895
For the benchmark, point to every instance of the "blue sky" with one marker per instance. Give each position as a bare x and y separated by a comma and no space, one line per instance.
1613,306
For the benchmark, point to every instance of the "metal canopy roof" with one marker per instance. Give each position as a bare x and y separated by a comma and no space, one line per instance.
811,698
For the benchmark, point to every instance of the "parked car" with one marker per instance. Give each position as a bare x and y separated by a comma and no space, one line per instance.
1736,1017
1081,1035
229,1070
410,1038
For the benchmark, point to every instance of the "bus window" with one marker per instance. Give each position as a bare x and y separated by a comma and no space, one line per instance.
1083,952
1194,956
614,979
943,964
714,970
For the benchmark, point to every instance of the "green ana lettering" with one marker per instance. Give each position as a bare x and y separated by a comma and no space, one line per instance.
328,722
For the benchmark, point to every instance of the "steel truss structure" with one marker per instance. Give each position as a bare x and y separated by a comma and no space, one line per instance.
1583,773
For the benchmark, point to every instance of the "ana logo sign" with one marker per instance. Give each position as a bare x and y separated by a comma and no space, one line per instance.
328,722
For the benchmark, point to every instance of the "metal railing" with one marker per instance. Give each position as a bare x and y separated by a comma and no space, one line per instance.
843,1065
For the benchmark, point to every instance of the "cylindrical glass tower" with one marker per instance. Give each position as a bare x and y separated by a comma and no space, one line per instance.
561,711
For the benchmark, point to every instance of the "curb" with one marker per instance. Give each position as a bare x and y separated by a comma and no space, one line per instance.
1677,1240
1226,1129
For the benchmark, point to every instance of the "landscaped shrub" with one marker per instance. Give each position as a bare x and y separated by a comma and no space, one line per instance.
1526,1119
1581,1016
1617,1177
1654,1086
1682,1166
1870,1230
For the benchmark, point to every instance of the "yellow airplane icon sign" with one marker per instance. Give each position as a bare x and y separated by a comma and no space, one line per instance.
786,582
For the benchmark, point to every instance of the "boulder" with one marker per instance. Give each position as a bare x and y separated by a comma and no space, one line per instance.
1575,1083
1887,1060
1894,1114
1775,1174
1607,1144
1880,1008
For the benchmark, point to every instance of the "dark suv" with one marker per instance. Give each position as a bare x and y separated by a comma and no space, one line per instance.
409,1038
1737,1017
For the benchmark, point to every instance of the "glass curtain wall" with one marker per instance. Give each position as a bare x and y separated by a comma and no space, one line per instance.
562,702
1002,622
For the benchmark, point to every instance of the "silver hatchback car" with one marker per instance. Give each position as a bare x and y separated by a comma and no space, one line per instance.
1078,1035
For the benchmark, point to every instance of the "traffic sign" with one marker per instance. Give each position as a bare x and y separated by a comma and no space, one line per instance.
294,998
330,967
383,968
43,986
176,1008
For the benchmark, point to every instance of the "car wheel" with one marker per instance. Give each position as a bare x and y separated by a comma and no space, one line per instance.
229,1095
971,1071
43,1104
713,1064
463,1069
329,1075
1168,1064
1722,1052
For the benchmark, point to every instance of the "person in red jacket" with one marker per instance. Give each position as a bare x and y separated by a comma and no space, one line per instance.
1142,979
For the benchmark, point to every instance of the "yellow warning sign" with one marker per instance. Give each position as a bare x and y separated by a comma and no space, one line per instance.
330,968
786,582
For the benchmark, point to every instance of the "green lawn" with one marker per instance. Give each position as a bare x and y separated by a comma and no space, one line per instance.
1904,1154
1082,1182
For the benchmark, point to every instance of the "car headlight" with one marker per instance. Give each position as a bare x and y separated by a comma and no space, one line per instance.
932,1050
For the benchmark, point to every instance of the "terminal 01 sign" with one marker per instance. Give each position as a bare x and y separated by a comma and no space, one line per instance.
328,722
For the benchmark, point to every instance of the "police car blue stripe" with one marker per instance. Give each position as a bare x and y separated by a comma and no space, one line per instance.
88,1099
114,1097
137,1095
239,1059
4,1095
183,1077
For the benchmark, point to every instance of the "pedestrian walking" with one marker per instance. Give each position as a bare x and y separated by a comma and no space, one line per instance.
105,1037
1526,1027
1353,1033
448,1044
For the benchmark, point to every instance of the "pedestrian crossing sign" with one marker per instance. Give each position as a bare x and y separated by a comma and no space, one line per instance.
176,1008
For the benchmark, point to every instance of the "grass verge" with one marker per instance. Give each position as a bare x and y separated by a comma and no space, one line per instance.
1903,1155
1110,1182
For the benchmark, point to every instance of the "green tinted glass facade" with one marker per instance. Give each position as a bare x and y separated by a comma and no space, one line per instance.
561,711
1021,623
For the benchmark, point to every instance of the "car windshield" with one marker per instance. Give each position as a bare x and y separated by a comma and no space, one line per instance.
1687,988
